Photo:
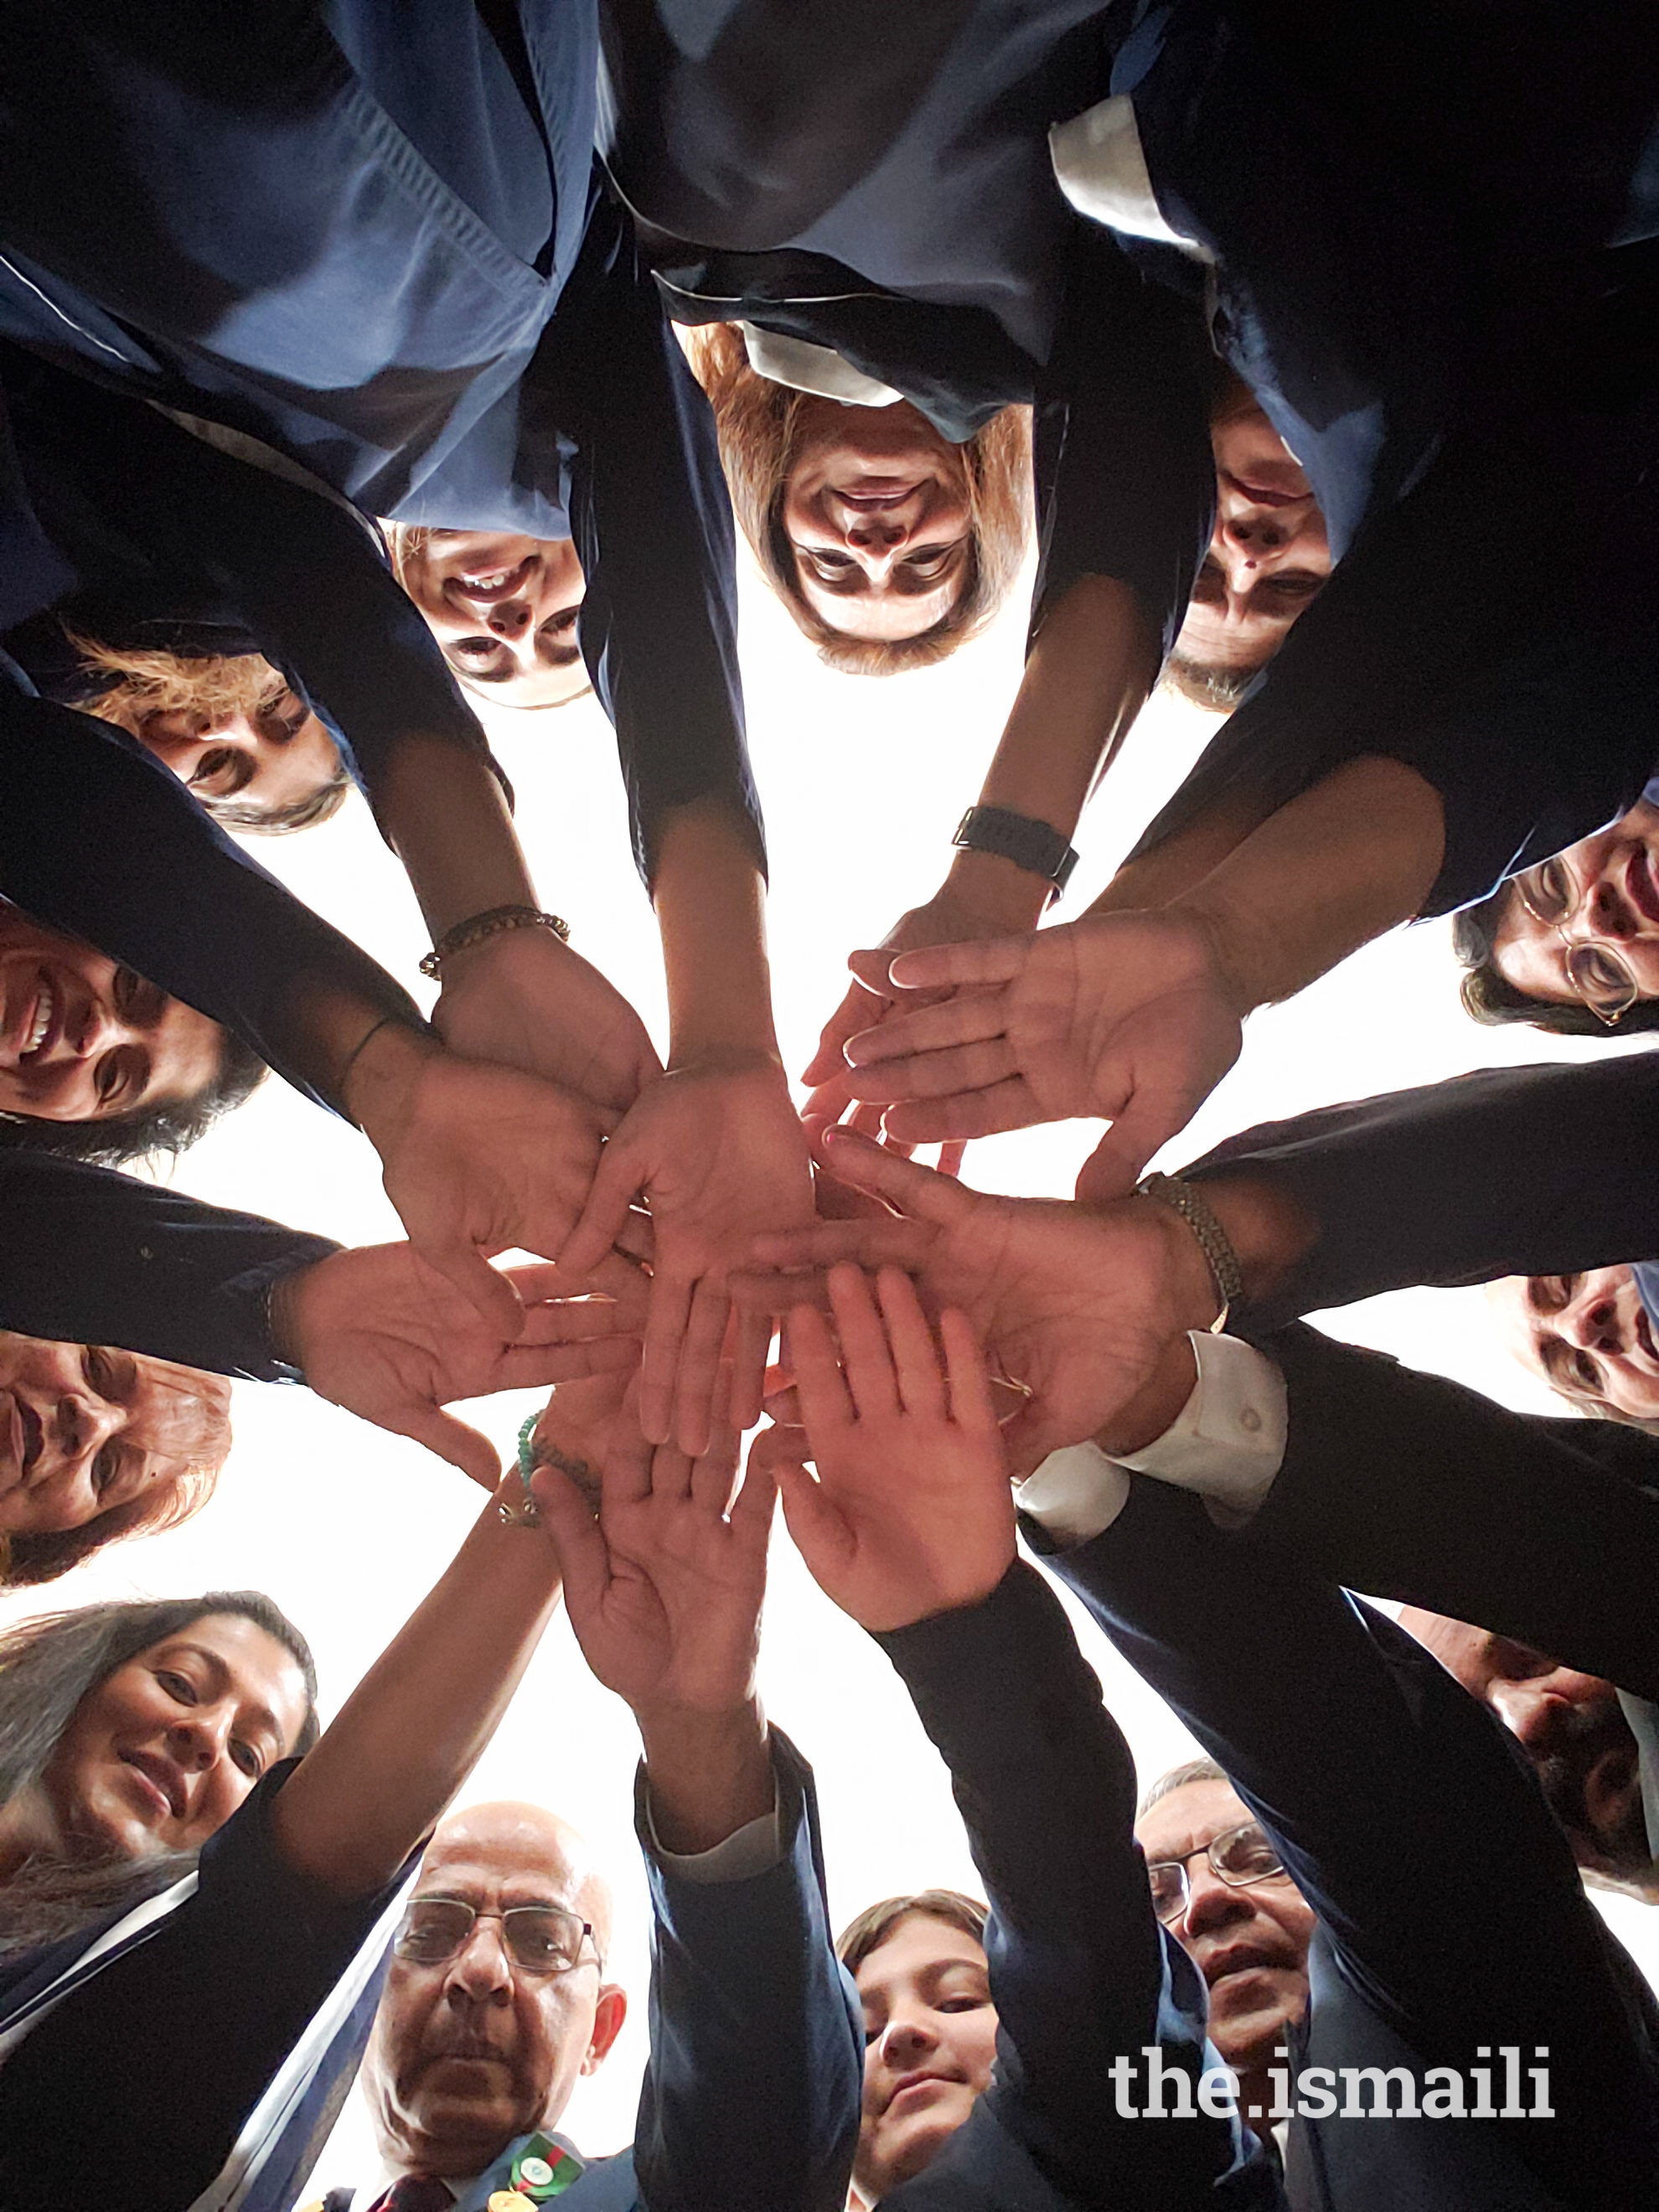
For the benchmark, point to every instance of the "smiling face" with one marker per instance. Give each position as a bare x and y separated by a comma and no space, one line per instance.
82,1038
1570,1726
161,1752
930,2041
504,609
272,751
85,1429
877,517
469,2051
1602,896
1587,1335
1269,556
1250,1942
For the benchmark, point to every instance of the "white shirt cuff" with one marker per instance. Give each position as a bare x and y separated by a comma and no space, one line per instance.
754,1849
1100,167
1227,1442
803,366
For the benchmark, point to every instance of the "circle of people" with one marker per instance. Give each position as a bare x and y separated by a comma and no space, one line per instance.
362,360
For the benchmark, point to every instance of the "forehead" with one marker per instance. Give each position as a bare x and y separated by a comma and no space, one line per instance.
1189,1818
246,1660
917,1944
479,1859
1529,954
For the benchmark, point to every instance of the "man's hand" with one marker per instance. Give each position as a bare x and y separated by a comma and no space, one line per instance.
383,1334
526,1000
477,1159
911,1513
1077,1305
1129,1016
719,1153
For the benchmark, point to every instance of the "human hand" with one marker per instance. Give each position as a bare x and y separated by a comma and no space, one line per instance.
477,1159
1077,1303
719,1153
1129,1015
664,1587
380,1333
524,1000
578,1427
911,1513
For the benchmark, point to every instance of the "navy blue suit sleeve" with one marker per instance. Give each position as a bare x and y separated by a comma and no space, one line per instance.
170,893
1409,1817
652,525
1081,1973
752,2092
1412,1487
1125,481
93,1257
1508,1172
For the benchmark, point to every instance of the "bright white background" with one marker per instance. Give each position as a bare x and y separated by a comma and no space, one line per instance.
863,782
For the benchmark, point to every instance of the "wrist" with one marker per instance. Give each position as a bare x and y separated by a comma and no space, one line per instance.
381,1074
282,1323
1157,1406
1223,944
1270,1230
709,1771
997,890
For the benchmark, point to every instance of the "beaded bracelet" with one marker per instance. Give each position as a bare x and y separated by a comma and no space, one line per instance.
1183,1198
478,927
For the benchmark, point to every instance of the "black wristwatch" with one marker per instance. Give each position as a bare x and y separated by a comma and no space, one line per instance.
1016,837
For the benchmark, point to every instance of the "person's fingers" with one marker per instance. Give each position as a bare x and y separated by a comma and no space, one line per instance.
698,1369
860,1007
532,1366
626,1476
950,1157
637,1237
970,1113
751,1513
606,1217
971,1406
939,1027
916,1363
957,1072
974,962
864,1120
751,1341
441,1432
584,1556
865,1359
783,1407
672,1474
824,1402
1146,1123
828,1100
575,1321
817,1528
664,1330
904,1185
713,1474
485,1288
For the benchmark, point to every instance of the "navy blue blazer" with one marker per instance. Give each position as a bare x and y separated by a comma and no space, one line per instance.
1451,1914
1080,1971
373,235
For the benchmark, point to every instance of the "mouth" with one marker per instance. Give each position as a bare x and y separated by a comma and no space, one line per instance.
1608,1784
908,2084
1640,889
483,587
35,1029
161,1781
1644,1335
875,494
1236,1959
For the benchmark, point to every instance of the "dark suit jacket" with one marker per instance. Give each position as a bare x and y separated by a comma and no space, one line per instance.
1452,1915
1081,1970
1509,1171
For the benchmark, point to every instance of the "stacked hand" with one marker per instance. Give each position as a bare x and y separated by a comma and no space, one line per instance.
1129,1016
1079,1304
524,1000
911,1513
382,1333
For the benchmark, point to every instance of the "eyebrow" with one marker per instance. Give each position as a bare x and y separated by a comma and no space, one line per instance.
260,1716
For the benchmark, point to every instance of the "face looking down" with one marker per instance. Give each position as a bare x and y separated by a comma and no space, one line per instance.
1584,927
85,1429
503,607
160,1753
1269,556
1587,1335
82,1038
475,2042
1570,1726
274,752
878,516
930,2040
1249,1938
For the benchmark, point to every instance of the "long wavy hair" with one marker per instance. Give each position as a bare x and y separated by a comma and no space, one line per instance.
124,684
47,1667
755,421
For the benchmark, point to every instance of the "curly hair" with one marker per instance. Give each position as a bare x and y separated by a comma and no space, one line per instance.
755,422
1490,999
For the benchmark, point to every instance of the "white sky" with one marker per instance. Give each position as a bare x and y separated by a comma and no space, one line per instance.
863,782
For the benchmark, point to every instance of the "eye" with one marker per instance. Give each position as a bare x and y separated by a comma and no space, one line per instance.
98,1367
105,1468
179,1687
248,1758
1585,1372
217,771
928,562
830,566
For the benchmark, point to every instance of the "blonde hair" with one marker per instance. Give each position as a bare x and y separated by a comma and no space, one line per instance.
755,421
139,681
409,542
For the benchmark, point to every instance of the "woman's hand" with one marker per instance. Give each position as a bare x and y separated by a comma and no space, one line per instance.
379,1332
1129,1015
1078,1305
524,1000
911,1513
719,1153
477,1159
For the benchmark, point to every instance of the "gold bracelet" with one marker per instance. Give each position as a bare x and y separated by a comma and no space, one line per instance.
1183,1198
466,934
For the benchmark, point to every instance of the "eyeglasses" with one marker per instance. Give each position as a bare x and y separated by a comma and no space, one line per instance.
1239,1857
540,1938
1596,971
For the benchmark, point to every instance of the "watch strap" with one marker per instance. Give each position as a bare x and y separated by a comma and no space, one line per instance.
1029,845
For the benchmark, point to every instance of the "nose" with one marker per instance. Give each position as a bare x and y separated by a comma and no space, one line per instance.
1606,911
1253,535
1534,1710
1591,1320
509,618
907,2037
198,1739
480,1972
1211,1902
82,1425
